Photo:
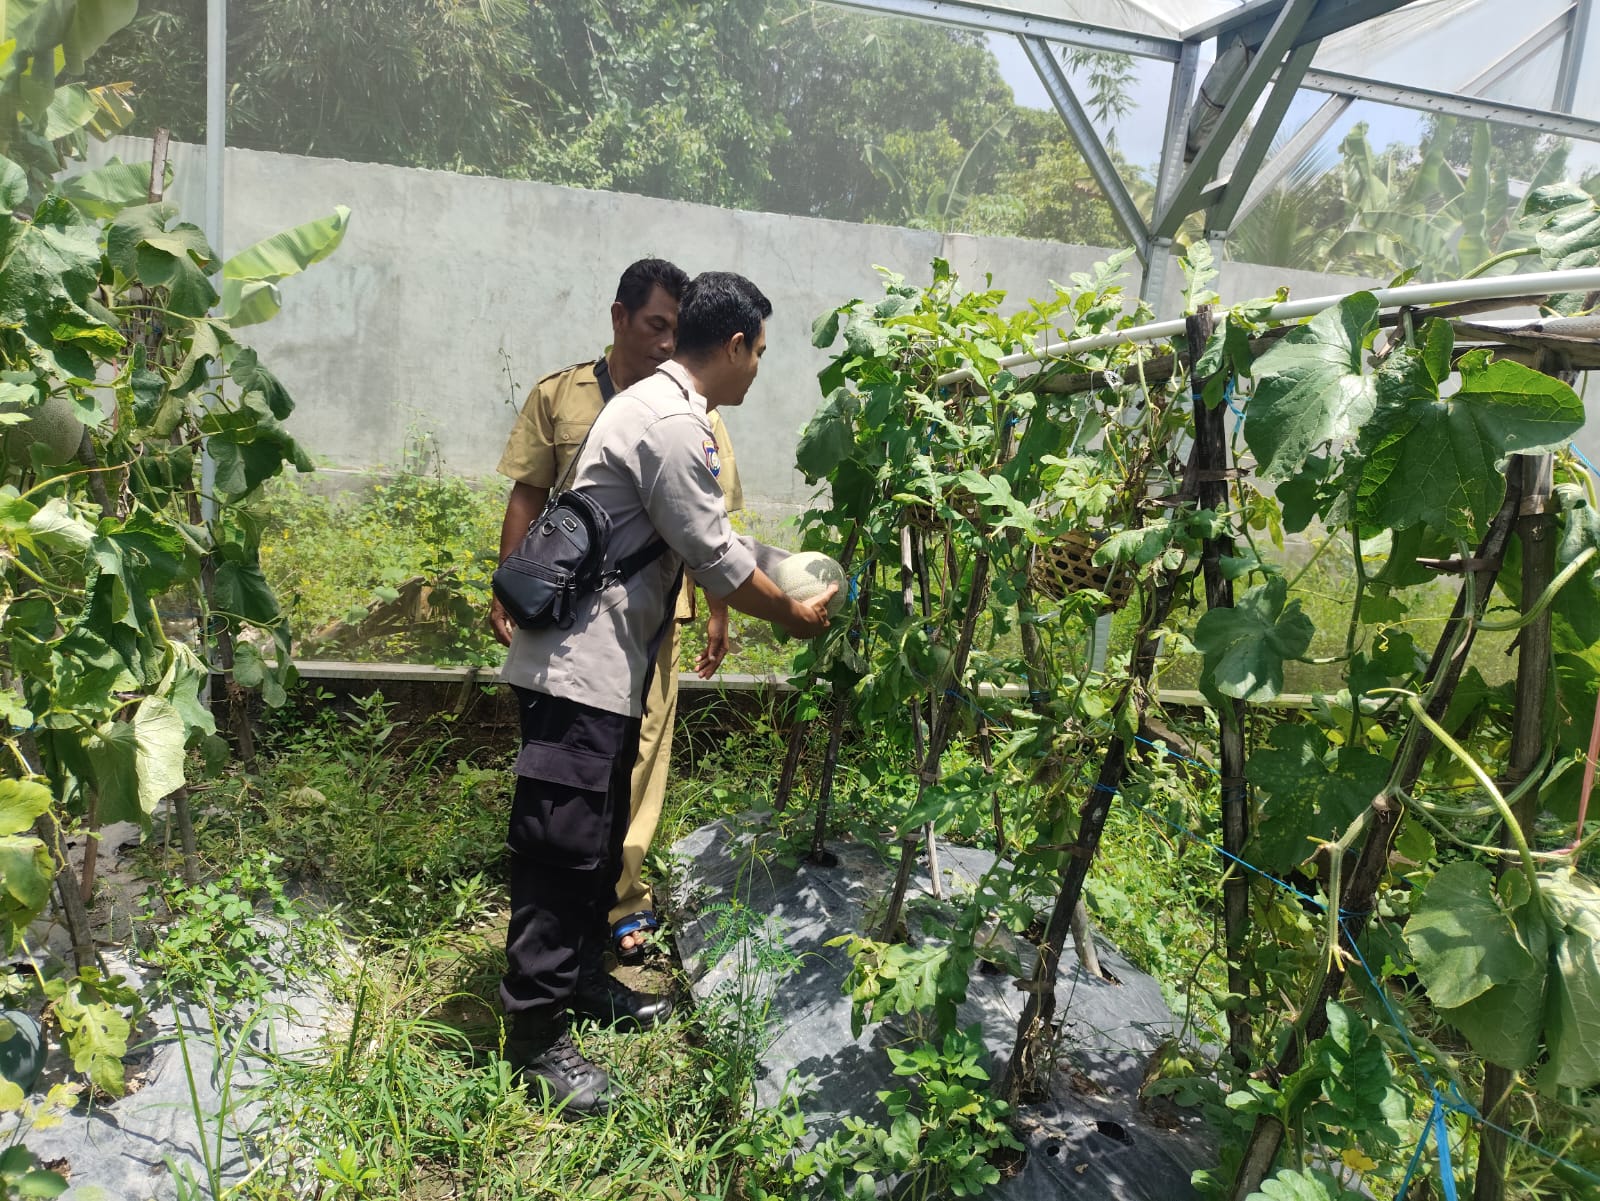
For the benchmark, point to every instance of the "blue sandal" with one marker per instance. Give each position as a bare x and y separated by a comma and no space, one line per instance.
641,922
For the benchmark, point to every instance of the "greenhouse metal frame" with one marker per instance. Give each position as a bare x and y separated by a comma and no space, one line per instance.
1533,65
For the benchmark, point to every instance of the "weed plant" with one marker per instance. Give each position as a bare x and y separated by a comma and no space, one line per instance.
231,940
407,1097
393,827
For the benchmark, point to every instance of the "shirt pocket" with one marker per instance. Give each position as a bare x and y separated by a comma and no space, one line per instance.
568,439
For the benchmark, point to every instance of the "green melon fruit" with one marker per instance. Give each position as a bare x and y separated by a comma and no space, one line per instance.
55,424
22,1048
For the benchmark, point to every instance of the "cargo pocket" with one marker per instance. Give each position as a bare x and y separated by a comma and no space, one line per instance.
568,825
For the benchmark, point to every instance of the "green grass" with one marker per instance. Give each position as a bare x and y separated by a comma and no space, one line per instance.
334,557
330,557
395,832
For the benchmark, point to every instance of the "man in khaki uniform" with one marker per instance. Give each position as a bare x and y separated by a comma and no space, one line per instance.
548,432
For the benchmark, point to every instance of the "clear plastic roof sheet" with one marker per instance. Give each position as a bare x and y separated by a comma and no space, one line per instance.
1511,52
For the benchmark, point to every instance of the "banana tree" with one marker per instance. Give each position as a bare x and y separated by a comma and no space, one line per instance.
1432,218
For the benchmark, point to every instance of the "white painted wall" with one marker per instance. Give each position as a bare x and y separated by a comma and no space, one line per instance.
448,288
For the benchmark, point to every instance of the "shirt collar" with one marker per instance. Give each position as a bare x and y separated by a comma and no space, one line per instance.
676,370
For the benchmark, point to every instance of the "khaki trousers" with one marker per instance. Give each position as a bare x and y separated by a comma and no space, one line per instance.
649,787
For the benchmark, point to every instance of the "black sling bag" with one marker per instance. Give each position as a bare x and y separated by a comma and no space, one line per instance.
562,558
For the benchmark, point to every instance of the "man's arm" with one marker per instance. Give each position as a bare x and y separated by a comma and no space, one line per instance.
760,597
524,504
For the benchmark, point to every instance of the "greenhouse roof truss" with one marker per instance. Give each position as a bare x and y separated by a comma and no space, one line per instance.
1534,66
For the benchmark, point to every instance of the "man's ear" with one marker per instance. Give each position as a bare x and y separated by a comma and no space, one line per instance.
735,344
619,314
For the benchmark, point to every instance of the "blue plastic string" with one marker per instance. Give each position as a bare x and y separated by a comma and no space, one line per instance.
1227,399
1441,1144
1583,458
1422,1145
1174,754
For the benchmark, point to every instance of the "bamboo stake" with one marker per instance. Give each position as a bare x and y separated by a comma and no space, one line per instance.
1210,458
1536,531
830,758
1382,820
830,763
1030,1061
913,568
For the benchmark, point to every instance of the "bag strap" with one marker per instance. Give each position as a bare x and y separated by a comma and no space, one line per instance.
602,376
630,565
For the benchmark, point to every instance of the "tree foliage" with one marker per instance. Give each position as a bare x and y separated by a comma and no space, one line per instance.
781,105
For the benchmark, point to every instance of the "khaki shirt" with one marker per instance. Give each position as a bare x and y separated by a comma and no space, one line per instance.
553,423
652,464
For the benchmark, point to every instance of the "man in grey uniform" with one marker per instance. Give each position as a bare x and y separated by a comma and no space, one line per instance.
651,463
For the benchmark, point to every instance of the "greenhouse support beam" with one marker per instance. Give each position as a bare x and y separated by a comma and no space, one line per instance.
1572,55
1292,154
1516,58
216,115
1496,287
1259,140
991,19
1454,105
1253,22
1198,178
1095,156
1185,75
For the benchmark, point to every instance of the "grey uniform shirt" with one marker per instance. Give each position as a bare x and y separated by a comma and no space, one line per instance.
651,463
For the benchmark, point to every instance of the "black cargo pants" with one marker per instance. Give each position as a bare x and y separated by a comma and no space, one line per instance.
569,817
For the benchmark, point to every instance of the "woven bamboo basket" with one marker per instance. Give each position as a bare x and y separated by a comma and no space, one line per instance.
925,517
1067,565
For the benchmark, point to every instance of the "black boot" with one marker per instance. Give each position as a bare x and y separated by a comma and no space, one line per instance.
544,1056
603,998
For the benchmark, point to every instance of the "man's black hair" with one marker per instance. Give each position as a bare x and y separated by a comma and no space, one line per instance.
633,289
715,306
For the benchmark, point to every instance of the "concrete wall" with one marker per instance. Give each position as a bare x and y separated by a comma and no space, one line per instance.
452,294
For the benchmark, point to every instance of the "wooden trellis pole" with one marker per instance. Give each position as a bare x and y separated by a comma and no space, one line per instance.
1030,1059
1536,531
840,714
1210,476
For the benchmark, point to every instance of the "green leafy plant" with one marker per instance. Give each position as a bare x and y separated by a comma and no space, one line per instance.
1395,447
21,1176
944,1129
124,572
232,939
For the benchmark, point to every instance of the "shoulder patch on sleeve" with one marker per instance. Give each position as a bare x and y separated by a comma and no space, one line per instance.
708,446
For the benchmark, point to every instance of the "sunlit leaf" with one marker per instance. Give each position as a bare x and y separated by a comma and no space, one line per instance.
1310,388
1245,646
1432,461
